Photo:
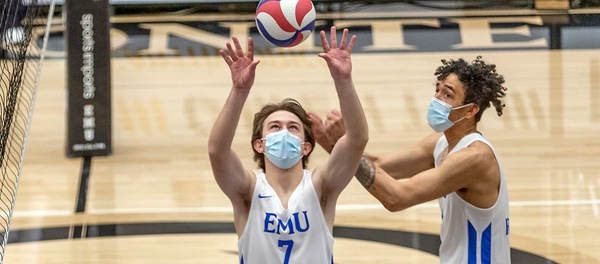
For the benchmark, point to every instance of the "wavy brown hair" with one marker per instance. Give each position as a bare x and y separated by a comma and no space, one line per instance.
291,106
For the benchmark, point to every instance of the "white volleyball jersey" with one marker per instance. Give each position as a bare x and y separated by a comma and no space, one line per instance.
472,235
295,235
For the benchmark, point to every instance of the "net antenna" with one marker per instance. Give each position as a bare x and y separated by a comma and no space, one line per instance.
24,32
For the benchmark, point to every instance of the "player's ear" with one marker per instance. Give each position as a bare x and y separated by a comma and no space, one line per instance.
306,148
473,110
259,145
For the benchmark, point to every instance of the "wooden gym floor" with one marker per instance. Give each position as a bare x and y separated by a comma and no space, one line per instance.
155,200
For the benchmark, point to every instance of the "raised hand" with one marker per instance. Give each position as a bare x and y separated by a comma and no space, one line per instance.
337,58
335,127
328,132
318,128
242,67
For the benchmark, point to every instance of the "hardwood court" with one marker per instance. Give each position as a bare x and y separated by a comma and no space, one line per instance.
158,187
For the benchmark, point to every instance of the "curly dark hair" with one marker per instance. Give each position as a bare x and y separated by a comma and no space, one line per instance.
291,106
483,85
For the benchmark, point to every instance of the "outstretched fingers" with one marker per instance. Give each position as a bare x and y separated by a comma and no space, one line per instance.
235,51
344,36
333,37
250,48
324,42
239,52
345,44
351,44
226,57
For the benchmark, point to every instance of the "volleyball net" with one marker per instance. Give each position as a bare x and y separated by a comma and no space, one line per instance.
24,29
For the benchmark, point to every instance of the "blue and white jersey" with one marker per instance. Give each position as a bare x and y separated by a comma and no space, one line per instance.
472,235
273,234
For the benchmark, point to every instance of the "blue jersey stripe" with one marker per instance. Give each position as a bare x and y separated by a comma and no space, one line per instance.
486,245
472,243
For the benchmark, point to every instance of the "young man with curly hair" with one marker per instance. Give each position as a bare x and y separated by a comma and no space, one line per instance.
285,213
455,165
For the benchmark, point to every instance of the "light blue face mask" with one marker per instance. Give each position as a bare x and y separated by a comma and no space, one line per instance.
437,115
283,149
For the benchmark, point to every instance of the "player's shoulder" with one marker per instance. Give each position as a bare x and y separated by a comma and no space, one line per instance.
430,141
478,152
435,136
476,142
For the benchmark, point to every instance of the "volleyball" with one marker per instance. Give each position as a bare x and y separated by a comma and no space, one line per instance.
285,23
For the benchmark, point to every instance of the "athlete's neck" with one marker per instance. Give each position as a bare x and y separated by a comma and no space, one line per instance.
456,133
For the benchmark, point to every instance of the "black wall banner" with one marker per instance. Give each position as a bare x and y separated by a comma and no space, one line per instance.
88,78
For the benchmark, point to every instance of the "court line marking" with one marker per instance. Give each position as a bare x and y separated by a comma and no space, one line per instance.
340,208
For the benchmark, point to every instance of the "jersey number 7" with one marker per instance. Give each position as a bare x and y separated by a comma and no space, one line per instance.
288,250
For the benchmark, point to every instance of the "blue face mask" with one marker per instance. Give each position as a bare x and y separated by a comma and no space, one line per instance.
437,115
283,149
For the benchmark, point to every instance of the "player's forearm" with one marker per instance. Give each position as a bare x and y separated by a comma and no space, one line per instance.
379,184
365,173
226,123
352,111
